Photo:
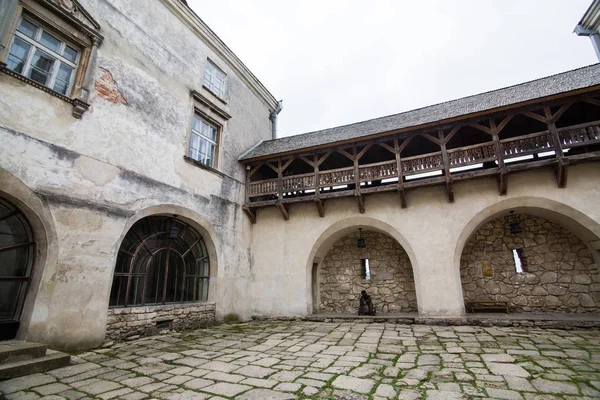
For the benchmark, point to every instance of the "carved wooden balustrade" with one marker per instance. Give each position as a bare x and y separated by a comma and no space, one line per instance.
557,147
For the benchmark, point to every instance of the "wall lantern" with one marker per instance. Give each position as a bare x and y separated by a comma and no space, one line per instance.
514,225
360,242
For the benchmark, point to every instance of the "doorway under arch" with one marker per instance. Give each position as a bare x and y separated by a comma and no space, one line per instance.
17,256
338,271
537,259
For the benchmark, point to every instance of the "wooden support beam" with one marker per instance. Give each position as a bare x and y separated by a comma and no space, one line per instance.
361,203
397,150
253,170
561,111
502,125
449,190
561,173
402,195
250,212
279,180
503,182
480,127
356,170
323,158
535,116
306,160
363,151
283,209
446,162
452,133
346,154
274,168
431,138
287,164
387,147
320,207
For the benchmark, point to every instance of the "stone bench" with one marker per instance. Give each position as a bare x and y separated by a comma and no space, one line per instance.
489,305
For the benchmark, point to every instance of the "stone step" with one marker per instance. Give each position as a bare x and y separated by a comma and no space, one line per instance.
18,351
52,360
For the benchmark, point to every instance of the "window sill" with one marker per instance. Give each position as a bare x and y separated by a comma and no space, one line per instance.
205,167
79,106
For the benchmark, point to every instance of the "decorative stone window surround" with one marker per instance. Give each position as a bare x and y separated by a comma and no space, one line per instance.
205,108
69,20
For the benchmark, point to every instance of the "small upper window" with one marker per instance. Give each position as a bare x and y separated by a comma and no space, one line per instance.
214,79
203,142
42,57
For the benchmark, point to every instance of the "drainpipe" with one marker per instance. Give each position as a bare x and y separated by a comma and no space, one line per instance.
594,36
273,118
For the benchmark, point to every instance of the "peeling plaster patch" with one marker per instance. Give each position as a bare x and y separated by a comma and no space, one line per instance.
108,89
80,219
96,171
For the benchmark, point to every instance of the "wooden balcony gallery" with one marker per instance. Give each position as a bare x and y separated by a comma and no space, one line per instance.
552,122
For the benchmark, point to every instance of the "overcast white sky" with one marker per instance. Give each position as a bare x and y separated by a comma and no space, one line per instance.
338,62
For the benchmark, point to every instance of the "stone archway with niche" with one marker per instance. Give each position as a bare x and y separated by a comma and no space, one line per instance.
547,265
382,268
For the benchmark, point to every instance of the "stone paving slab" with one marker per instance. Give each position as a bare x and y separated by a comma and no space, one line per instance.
345,360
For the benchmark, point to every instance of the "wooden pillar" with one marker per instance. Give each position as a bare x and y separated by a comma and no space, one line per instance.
446,162
361,203
401,192
563,163
502,171
318,201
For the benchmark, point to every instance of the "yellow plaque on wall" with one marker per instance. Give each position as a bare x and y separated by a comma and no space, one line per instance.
486,269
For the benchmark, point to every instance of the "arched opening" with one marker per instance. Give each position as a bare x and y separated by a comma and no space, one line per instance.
161,260
17,255
535,259
345,268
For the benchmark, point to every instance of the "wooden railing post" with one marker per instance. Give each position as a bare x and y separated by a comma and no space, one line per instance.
499,150
401,192
446,162
318,201
561,171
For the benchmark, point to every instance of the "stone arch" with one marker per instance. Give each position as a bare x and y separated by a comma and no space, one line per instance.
339,230
35,308
201,224
581,226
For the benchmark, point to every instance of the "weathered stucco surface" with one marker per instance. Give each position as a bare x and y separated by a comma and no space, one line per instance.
341,276
432,231
94,177
558,269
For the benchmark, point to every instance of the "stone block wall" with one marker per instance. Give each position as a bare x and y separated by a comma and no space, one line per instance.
391,286
144,321
559,271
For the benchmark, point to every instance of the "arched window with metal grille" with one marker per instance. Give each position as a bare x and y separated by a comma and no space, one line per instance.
162,260
17,255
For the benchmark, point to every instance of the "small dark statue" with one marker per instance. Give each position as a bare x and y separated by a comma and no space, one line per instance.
366,305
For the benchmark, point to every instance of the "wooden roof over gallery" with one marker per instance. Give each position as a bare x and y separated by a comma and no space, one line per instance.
467,107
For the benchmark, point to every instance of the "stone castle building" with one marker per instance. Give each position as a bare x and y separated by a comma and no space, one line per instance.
141,187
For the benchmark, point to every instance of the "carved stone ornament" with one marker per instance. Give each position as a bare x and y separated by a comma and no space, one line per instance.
67,5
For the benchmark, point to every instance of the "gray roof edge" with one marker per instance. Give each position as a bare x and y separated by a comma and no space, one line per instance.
249,150
248,155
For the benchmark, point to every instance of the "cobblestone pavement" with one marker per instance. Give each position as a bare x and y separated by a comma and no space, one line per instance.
304,360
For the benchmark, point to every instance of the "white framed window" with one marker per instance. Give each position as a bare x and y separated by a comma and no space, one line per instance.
204,142
42,57
214,79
